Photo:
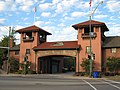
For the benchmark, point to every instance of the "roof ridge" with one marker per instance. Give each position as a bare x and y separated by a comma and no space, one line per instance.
93,21
29,26
88,21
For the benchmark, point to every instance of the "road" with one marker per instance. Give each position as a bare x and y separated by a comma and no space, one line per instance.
54,83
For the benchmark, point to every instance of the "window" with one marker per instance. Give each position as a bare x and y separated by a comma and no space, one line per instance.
29,35
113,50
16,52
27,51
87,30
87,49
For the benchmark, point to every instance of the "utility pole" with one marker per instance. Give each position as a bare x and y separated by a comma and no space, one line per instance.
8,61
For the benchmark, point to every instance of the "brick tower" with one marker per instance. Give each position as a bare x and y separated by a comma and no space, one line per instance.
97,35
30,37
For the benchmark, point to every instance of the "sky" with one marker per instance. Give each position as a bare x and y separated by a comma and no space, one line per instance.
57,16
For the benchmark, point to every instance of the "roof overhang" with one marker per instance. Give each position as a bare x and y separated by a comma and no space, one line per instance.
41,49
93,24
33,29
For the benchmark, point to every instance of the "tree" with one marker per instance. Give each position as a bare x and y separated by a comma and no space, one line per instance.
5,40
14,65
3,52
86,65
4,43
113,64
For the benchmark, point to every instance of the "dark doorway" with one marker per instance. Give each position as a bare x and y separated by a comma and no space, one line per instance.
56,64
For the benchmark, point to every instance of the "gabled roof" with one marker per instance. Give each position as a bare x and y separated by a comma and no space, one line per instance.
57,45
33,28
112,42
15,48
93,23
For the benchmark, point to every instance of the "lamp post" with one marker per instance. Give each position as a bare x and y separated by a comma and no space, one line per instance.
90,18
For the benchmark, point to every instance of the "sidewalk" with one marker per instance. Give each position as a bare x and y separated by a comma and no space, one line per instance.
49,76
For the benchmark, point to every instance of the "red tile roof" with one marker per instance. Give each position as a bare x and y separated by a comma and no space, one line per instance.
93,23
33,28
57,45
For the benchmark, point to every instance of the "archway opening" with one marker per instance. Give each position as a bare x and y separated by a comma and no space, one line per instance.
56,64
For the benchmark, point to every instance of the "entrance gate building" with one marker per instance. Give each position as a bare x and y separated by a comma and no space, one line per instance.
47,57
52,55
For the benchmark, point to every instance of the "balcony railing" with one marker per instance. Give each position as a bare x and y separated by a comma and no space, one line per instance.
87,35
28,39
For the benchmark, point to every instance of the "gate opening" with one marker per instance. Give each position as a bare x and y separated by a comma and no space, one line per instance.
56,64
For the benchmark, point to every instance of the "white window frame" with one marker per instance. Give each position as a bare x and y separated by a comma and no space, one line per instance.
113,50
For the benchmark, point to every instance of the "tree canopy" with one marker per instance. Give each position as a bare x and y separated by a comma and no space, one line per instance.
4,43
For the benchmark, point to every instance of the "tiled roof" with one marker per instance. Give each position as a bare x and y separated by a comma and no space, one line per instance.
33,28
112,42
16,47
93,23
57,45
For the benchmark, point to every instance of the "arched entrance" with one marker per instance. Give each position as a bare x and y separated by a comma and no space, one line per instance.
49,60
56,64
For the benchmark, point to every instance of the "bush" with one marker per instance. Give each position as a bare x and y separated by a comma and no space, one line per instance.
85,65
14,65
31,72
113,64
23,67
20,72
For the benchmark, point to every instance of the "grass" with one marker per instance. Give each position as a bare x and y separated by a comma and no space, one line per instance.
115,78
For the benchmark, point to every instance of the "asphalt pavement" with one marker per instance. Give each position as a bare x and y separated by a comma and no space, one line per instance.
55,82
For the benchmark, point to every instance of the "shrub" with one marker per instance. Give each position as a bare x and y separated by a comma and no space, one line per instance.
113,65
86,64
14,65
25,68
